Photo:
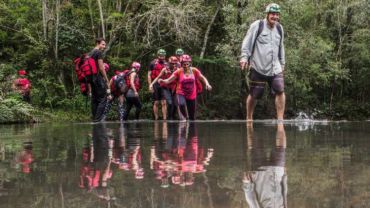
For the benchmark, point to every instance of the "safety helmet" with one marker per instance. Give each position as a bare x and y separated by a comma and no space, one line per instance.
179,51
106,66
273,8
136,65
22,72
185,58
161,52
118,72
173,60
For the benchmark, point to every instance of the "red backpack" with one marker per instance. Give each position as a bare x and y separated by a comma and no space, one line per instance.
85,69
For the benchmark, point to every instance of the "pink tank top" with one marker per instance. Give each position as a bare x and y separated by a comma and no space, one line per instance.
187,85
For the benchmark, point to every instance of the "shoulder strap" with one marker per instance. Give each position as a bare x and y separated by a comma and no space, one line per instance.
278,27
194,72
260,29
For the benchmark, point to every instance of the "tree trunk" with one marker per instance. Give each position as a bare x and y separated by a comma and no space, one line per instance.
44,18
60,72
243,83
102,18
208,29
91,18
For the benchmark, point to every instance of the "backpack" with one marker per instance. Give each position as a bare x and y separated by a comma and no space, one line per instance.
260,29
120,83
198,84
85,69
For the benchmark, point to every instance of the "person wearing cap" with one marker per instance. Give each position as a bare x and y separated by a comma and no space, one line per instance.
23,85
179,52
154,69
263,51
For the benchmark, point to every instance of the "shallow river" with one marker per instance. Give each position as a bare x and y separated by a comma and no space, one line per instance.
205,164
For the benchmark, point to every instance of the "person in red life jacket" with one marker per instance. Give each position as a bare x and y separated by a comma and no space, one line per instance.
100,83
154,70
132,95
115,94
186,90
168,90
23,86
26,157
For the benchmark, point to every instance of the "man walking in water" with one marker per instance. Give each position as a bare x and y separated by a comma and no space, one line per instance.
99,85
263,47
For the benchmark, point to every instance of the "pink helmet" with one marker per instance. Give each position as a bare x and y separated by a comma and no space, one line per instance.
173,60
106,66
185,58
136,65
22,72
118,72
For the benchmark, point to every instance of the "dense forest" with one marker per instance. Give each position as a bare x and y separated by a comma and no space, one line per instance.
327,45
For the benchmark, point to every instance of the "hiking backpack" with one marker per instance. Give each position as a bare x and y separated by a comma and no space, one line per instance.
120,83
85,69
260,29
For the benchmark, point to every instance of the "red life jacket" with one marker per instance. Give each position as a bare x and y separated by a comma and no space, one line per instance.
157,68
85,68
113,88
171,85
136,81
21,84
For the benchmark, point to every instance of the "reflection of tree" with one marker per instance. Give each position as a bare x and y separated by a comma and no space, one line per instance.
176,157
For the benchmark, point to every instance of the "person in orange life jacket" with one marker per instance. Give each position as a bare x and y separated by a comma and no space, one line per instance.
23,86
186,92
114,95
168,89
132,95
154,70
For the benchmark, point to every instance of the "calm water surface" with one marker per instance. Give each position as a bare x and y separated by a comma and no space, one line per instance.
205,164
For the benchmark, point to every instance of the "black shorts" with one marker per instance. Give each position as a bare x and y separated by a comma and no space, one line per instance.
258,81
157,94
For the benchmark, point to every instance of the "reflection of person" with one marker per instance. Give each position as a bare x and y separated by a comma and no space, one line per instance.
26,157
179,156
96,170
131,153
265,185
23,86
264,47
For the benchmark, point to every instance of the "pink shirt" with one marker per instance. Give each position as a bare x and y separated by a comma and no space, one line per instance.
187,85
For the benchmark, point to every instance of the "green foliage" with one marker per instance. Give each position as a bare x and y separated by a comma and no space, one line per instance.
326,46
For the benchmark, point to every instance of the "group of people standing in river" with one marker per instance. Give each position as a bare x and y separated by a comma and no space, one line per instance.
173,83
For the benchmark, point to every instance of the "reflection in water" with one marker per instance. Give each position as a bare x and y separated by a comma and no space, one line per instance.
96,166
265,184
128,156
25,158
176,158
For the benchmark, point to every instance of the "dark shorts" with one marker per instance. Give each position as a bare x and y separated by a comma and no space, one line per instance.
157,94
258,81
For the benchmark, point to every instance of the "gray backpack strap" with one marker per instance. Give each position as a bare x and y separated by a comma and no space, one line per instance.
260,29
278,27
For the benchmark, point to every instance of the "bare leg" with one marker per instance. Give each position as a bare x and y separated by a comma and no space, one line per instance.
251,104
164,109
280,105
155,110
